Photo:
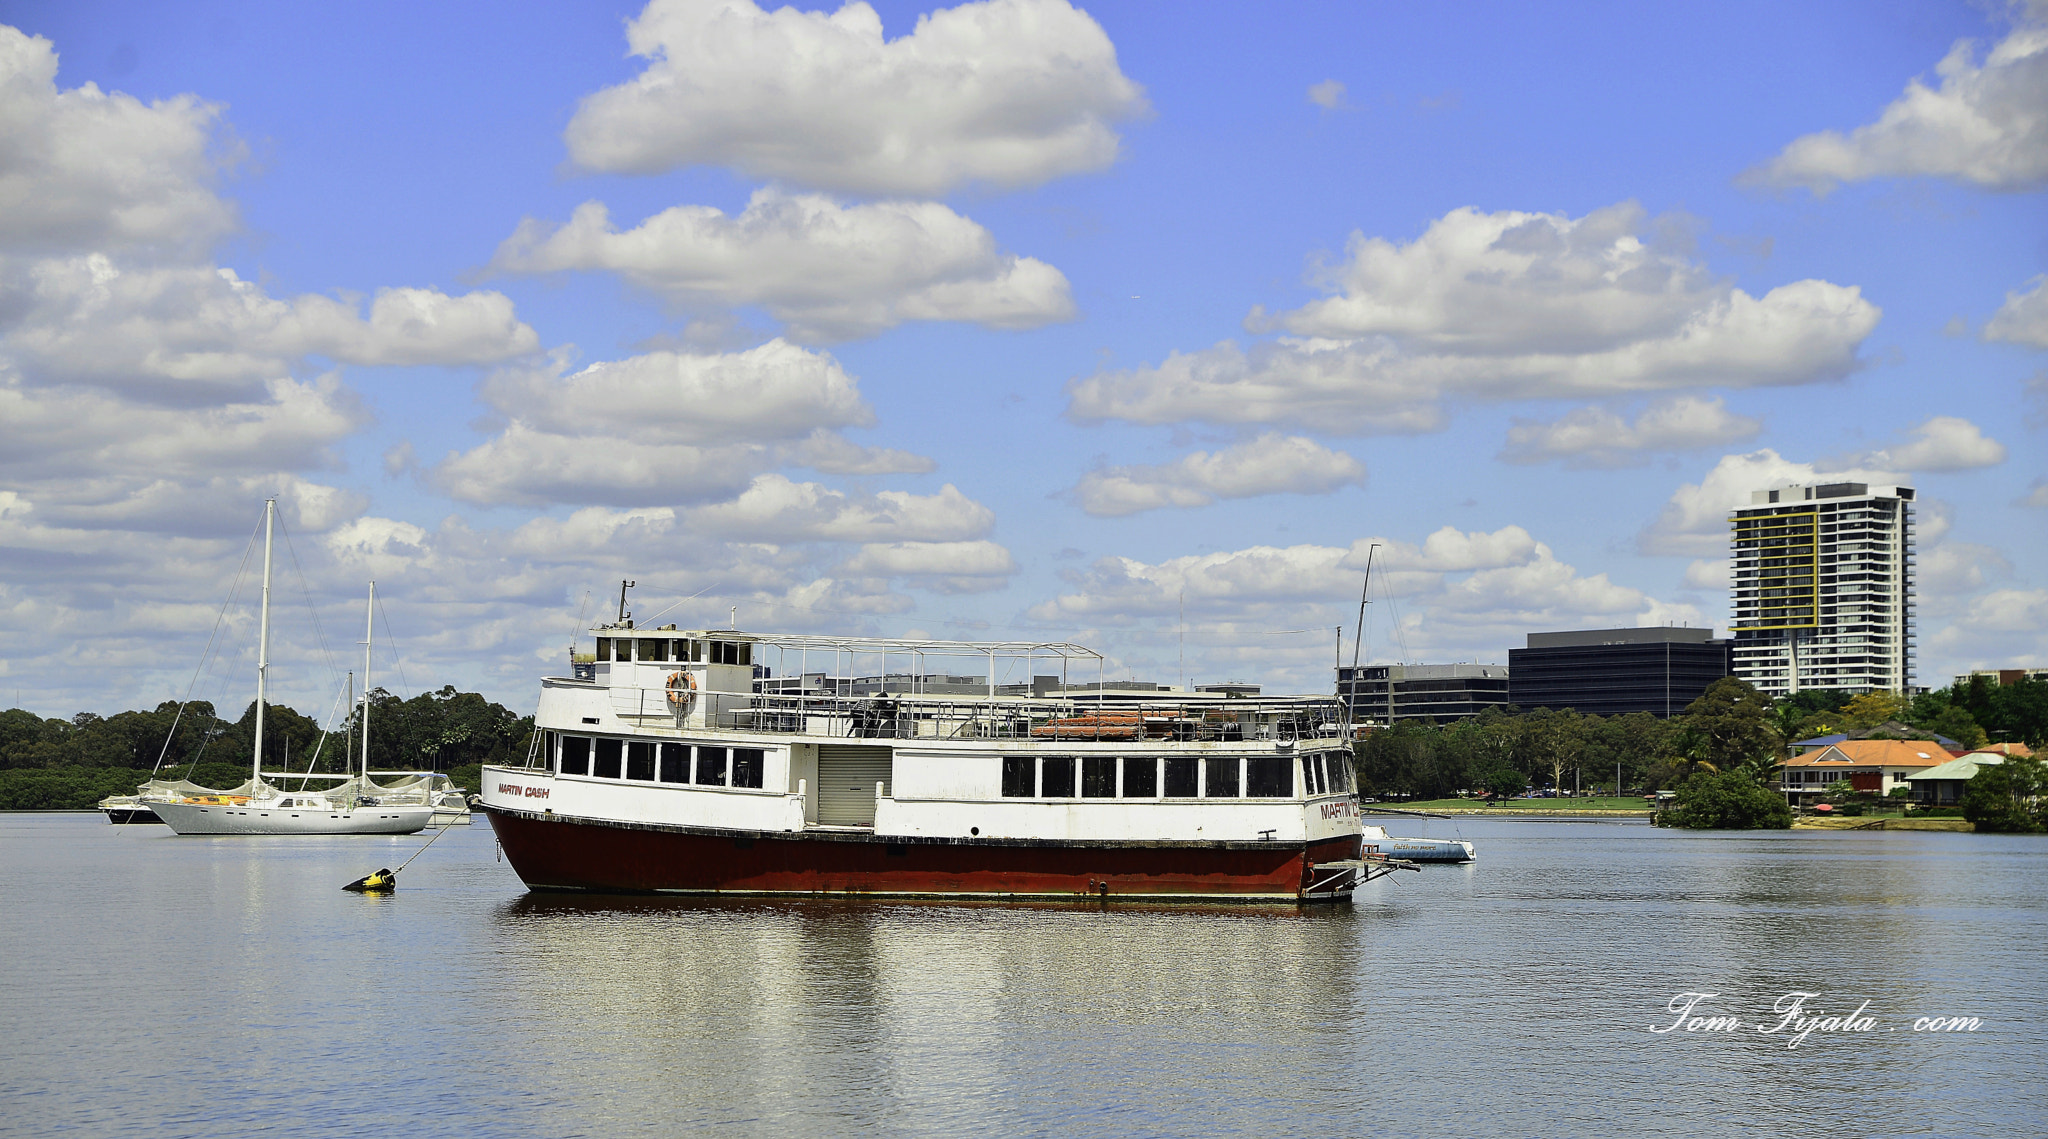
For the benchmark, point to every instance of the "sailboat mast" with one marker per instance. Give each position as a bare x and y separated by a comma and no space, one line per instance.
263,643
1364,595
369,625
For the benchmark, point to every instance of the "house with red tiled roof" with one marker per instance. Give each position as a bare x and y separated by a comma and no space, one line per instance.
1872,766
2009,751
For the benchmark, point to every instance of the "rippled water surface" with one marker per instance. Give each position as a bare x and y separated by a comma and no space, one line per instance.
197,986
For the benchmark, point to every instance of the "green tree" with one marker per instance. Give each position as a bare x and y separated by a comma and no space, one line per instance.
2006,797
1871,709
1692,749
1505,782
1553,741
2020,712
1726,801
1635,742
1735,721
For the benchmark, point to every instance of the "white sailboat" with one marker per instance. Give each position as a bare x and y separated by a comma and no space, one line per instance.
355,806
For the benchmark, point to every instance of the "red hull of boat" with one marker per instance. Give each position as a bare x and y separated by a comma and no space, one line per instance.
551,853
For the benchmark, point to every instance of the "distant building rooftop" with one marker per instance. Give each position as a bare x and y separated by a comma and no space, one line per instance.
1655,635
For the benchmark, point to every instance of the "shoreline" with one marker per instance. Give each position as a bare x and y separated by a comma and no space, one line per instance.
1525,812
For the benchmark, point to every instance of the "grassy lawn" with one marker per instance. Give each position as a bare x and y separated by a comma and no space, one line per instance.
1588,803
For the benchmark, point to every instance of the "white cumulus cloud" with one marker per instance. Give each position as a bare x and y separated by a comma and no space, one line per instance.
71,432
1695,520
776,509
2001,628
1462,593
200,333
1984,125
830,271
85,168
664,428
1005,92
1943,443
2023,318
776,391
1597,437
943,567
1270,464
1496,307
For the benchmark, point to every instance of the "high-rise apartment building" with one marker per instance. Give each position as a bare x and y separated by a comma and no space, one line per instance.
1822,582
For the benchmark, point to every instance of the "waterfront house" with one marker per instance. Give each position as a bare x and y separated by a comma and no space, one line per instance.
1871,766
1890,728
1942,786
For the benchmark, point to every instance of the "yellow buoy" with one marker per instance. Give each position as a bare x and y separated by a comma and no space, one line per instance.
382,882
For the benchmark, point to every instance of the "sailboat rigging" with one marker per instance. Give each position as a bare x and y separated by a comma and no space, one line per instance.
356,805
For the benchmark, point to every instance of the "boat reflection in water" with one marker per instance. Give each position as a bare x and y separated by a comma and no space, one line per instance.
913,1011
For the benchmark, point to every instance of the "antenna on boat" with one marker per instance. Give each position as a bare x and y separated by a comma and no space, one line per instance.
623,587
263,643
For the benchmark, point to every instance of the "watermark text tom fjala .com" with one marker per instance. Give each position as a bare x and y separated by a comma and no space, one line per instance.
1793,1018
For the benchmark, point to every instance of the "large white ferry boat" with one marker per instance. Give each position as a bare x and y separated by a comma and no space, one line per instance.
711,762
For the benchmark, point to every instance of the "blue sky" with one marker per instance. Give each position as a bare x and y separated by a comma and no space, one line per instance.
1011,320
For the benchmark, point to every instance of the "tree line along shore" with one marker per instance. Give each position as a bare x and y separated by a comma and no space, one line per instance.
51,764
1719,756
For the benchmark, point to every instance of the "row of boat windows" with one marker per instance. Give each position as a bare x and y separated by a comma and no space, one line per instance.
674,650
1154,777
661,762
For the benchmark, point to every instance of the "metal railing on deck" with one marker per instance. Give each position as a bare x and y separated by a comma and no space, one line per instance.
999,718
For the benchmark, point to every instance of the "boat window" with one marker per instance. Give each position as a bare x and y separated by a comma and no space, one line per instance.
1059,777
604,648
1268,777
640,761
747,763
695,651
1308,775
605,763
1181,775
1221,778
654,649
575,755
1018,776
1141,776
675,763
732,652
1098,777
1340,772
711,766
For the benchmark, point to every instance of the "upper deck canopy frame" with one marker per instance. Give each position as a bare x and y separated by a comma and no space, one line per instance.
917,648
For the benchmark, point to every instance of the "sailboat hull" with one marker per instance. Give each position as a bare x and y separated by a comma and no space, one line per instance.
256,819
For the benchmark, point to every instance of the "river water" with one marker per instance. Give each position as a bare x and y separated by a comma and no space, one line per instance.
226,986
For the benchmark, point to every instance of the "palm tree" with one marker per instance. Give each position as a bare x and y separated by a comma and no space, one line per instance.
1785,718
1693,746
1761,769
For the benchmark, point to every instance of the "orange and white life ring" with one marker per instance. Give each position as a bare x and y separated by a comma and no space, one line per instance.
682,692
